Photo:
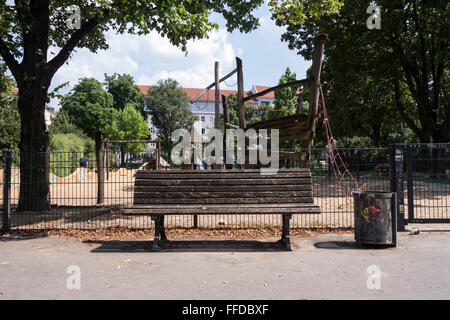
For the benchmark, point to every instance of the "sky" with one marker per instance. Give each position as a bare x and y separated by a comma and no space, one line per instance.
151,58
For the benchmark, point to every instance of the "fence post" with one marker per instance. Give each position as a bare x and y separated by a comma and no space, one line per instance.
397,185
7,159
409,182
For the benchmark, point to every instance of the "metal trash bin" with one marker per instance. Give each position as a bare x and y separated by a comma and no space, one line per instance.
375,218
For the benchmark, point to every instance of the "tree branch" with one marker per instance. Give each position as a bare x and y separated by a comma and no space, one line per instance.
11,62
71,44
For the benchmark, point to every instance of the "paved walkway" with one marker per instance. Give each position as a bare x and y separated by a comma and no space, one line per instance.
326,266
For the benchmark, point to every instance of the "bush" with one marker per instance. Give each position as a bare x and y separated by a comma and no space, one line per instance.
66,151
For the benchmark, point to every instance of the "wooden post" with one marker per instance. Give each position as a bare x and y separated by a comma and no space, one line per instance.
226,119
291,162
100,169
107,158
158,153
314,91
240,94
217,96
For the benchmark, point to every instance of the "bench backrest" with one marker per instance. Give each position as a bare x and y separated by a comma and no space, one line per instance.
222,187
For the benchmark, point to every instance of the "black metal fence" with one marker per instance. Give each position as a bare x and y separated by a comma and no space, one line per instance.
75,202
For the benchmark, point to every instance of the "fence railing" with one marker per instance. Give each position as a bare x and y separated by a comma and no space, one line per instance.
73,193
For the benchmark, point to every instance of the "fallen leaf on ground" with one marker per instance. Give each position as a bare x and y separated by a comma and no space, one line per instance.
224,282
5,262
93,237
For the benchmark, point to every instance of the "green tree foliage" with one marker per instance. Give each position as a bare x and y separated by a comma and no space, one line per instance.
129,124
396,73
252,113
285,98
61,123
168,107
29,28
89,107
67,149
9,116
125,92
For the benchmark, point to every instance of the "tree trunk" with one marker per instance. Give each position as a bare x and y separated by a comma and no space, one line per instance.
34,148
100,169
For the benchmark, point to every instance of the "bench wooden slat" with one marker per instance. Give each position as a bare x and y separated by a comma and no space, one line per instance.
237,201
222,182
221,171
222,194
237,188
222,209
194,175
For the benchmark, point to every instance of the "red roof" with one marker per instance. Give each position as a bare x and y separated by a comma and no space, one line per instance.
192,93
270,95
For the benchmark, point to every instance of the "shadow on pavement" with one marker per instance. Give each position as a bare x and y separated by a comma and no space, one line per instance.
10,238
187,246
340,245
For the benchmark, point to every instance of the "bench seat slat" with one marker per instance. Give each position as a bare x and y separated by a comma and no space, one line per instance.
223,209
223,194
193,175
256,188
222,182
236,201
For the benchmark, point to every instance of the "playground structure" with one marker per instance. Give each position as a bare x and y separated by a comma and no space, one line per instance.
294,127
222,191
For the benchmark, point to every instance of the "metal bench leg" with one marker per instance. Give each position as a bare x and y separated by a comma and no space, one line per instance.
156,246
285,238
162,230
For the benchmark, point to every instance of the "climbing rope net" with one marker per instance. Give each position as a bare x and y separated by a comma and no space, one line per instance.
341,172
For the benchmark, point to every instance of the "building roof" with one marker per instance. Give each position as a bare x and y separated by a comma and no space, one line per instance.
192,93
270,95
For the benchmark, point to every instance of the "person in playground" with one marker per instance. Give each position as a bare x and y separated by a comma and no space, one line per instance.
84,162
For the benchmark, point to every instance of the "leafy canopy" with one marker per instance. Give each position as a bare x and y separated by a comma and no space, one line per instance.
129,124
125,92
401,69
179,21
285,98
89,107
9,115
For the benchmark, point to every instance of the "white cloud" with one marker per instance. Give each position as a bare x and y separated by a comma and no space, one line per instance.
151,58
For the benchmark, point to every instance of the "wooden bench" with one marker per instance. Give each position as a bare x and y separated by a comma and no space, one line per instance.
212,192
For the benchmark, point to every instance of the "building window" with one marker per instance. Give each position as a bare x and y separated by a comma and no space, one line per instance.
152,130
203,118
203,130
211,119
265,103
